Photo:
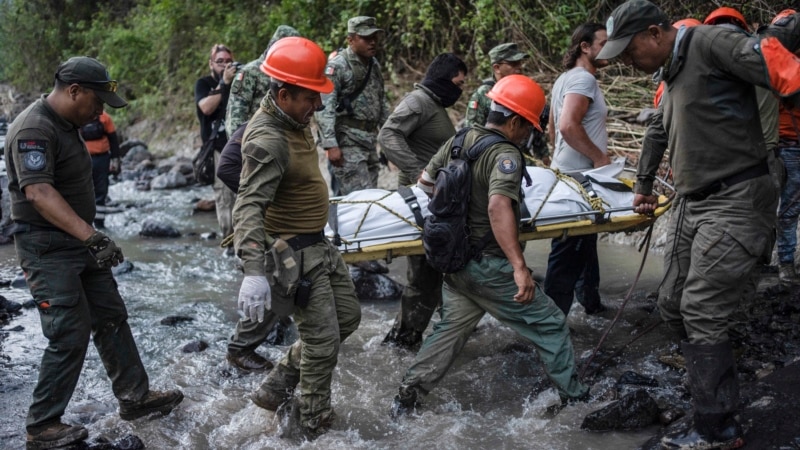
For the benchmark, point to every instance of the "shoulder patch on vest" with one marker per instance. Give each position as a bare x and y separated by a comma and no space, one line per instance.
329,70
473,104
506,165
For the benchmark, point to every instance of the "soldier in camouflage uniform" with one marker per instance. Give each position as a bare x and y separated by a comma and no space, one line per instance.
250,85
506,60
356,109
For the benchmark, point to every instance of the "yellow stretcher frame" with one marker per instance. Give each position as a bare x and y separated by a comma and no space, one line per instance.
630,222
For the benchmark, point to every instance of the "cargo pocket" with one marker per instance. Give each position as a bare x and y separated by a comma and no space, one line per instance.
53,312
724,259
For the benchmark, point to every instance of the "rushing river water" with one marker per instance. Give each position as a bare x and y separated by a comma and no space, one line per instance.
495,396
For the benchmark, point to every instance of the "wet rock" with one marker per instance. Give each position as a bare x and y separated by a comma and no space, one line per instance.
9,306
124,267
169,180
127,442
125,147
19,282
136,155
205,205
633,378
670,415
281,333
30,304
142,185
152,228
194,347
16,328
174,320
210,236
375,286
633,411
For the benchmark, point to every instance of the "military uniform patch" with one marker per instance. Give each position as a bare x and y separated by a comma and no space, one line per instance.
473,104
33,157
506,165
329,70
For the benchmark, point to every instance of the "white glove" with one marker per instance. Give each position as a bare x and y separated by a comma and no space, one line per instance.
254,296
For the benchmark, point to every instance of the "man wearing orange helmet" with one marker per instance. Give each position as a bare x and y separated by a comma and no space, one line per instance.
279,216
725,208
499,282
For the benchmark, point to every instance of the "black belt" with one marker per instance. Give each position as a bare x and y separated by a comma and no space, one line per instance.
24,227
756,171
302,241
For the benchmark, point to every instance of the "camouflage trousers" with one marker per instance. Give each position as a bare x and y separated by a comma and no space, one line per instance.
333,314
359,171
712,248
488,286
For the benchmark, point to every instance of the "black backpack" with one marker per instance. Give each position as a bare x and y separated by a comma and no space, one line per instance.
93,130
446,233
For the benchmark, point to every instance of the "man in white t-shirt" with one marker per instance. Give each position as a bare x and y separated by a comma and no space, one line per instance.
578,130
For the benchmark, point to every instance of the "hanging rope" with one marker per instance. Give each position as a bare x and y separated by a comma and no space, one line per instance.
646,245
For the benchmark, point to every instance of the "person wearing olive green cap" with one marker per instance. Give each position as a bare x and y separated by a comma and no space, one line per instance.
356,109
67,263
506,59
726,196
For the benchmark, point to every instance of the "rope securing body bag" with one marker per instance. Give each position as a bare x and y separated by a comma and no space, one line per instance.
446,233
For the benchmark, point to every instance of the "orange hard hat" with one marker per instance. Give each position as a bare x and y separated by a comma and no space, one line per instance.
718,15
688,22
521,95
782,14
299,61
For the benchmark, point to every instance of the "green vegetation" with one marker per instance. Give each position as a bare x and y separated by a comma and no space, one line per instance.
158,48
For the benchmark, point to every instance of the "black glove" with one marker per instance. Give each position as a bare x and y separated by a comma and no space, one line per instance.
104,250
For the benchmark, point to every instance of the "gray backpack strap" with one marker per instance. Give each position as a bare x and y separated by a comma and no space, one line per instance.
411,200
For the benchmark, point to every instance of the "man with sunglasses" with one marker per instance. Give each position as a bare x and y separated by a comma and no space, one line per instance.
356,109
211,98
68,263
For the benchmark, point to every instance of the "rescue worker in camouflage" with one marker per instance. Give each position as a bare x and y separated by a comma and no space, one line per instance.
356,109
250,85
726,197
506,59
289,266
67,263
415,130
499,282
248,88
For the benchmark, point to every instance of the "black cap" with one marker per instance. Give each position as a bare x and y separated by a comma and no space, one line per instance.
89,73
625,21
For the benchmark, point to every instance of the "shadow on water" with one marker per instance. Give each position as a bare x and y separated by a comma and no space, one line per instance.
495,396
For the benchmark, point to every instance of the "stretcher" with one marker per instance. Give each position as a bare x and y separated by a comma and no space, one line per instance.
376,224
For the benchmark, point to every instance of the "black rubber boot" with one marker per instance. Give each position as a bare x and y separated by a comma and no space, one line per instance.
715,392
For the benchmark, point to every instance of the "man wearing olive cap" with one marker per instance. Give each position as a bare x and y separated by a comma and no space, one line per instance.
725,209
67,262
356,109
506,59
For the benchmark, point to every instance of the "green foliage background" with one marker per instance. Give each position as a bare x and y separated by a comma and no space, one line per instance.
158,48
